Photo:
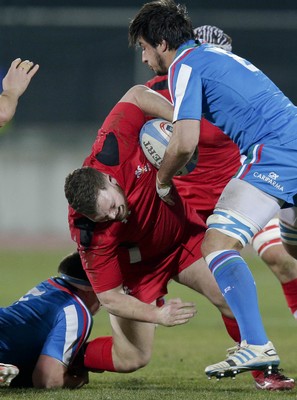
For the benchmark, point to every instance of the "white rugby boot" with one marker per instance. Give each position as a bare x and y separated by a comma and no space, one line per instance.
7,373
246,357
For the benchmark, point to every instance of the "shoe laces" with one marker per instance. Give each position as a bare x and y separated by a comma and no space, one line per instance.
232,350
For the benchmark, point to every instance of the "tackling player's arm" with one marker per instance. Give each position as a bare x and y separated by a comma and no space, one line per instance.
149,101
50,373
174,312
14,84
107,284
183,143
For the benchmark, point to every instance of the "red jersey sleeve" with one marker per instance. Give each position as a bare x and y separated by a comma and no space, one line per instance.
160,85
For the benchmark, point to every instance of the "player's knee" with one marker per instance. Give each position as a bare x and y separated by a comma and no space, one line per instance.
132,362
237,230
212,242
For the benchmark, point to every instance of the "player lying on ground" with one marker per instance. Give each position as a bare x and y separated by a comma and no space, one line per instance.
45,329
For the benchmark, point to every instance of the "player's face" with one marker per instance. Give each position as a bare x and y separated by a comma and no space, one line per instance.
153,57
111,203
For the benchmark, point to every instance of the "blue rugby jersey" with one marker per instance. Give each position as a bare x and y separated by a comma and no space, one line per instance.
48,320
232,94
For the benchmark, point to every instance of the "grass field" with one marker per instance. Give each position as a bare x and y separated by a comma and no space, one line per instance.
180,353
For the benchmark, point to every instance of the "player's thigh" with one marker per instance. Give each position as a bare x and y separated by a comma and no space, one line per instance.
132,341
249,202
242,210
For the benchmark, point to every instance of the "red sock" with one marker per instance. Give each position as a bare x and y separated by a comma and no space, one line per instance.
98,356
232,328
290,292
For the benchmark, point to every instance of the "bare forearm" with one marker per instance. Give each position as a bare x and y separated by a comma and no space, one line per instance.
172,162
180,149
129,307
150,102
8,104
174,312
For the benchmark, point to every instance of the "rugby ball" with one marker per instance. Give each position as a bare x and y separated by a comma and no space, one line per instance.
154,138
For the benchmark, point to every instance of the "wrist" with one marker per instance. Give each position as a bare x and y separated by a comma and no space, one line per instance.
163,189
162,185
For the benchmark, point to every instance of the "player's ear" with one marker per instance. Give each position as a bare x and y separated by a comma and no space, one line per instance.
112,180
164,45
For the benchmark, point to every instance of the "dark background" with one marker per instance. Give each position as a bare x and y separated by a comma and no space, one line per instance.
86,64
85,68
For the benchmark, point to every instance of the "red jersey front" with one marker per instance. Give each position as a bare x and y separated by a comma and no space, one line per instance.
218,161
154,227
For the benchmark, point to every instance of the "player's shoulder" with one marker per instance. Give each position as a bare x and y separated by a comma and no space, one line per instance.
157,81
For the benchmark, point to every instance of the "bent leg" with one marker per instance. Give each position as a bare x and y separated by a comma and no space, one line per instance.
284,268
269,247
237,217
128,349
133,343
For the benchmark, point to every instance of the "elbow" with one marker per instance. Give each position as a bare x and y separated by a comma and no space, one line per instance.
4,118
111,299
106,300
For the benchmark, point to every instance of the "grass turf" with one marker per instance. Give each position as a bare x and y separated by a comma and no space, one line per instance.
180,354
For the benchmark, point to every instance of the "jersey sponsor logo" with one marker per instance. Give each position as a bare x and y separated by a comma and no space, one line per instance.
270,179
273,175
140,170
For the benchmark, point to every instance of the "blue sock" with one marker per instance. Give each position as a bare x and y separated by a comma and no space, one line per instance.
237,285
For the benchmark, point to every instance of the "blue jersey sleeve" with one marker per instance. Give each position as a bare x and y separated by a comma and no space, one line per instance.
186,91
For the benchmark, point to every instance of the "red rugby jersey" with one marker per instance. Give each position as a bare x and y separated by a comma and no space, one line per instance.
153,226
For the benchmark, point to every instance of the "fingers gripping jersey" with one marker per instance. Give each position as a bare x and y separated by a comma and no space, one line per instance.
48,320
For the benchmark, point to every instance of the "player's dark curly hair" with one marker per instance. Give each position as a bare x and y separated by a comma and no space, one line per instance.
82,187
71,266
161,20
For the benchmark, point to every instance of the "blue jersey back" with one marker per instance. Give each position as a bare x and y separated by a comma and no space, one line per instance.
232,94
48,320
